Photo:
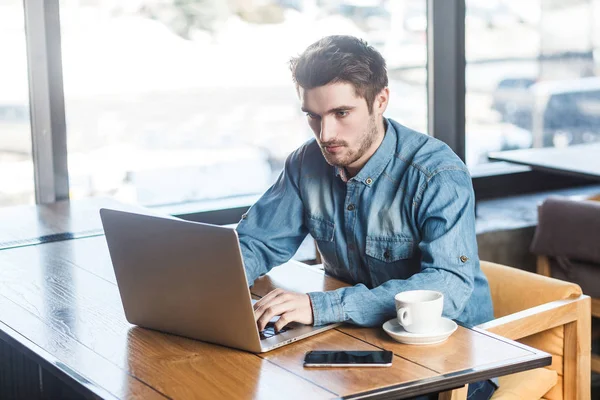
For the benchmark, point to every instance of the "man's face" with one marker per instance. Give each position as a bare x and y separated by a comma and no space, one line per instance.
345,130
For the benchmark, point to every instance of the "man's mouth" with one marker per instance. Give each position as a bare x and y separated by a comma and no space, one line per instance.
332,149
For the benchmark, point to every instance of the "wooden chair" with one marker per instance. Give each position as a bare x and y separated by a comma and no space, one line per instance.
543,268
547,314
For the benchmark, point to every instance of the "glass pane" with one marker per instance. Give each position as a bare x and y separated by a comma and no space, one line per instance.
531,75
176,101
16,167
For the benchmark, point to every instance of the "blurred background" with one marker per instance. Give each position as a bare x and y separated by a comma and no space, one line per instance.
174,101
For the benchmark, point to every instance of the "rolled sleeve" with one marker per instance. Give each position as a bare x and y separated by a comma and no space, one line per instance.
448,244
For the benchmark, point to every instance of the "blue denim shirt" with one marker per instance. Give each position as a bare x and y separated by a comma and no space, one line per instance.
406,221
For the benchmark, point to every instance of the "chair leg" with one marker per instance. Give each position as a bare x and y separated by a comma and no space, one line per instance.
456,394
543,266
595,363
577,354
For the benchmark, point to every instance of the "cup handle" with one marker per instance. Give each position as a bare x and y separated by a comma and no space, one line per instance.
404,317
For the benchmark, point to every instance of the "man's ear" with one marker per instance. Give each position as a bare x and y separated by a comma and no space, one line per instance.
381,101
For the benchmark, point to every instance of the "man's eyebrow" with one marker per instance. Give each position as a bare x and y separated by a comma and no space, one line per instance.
333,110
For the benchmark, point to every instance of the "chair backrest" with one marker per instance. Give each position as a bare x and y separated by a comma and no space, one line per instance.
514,290
568,229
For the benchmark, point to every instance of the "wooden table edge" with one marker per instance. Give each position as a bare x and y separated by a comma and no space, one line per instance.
86,386
542,168
74,379
52,364
446,382
536,359
503,339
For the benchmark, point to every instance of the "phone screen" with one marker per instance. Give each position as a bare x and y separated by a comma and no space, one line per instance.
380,358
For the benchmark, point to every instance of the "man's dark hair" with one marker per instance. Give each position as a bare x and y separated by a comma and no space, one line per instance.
341,59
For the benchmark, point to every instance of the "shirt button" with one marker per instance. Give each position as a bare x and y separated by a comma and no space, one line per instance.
369,181
350,207
464,259
244,216
386,254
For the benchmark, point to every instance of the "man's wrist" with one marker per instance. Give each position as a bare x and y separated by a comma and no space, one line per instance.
326,308
312,312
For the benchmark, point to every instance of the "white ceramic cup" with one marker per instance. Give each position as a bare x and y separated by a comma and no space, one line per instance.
419,311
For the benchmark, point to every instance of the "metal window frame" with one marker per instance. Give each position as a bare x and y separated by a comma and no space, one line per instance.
46,100
446,72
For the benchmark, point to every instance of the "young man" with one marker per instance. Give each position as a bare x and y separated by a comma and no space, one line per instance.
391,209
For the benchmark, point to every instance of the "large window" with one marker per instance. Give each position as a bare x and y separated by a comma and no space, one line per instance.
16,168
169,102
174,102
531,75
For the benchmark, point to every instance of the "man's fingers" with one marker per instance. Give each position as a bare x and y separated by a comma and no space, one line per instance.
264,303
290,306
285,319
268,297
272,311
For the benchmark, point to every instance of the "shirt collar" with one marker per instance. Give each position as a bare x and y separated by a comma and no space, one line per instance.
378,161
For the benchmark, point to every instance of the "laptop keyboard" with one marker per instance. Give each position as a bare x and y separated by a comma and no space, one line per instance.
269,331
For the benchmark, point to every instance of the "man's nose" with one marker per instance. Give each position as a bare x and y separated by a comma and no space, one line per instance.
327,131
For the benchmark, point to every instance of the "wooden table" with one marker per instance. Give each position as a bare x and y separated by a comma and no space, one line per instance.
60,306
581,161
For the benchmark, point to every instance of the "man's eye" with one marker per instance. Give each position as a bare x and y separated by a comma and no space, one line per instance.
342,114
311,115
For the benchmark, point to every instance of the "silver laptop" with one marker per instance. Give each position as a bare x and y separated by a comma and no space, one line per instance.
188,278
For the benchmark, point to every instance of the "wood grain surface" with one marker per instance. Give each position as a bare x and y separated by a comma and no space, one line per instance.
60,305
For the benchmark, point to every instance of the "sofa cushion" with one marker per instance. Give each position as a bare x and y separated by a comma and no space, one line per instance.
583,273
568,228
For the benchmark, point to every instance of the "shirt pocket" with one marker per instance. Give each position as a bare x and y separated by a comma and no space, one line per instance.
320,229
323,232
389,249
390,258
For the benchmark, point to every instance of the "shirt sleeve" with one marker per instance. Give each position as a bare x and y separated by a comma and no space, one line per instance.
445,215
273,228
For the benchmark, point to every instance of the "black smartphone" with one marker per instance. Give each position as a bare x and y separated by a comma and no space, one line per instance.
331,358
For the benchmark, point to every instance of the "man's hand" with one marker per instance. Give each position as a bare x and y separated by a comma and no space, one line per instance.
291,306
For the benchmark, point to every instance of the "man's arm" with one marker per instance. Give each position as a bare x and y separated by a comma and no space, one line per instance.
446,218
273,229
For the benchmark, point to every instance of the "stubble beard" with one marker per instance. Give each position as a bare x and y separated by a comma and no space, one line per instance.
353,155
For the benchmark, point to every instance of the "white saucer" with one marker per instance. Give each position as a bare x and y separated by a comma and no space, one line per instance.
398,333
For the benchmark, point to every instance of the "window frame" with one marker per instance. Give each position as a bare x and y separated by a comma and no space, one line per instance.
46,101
